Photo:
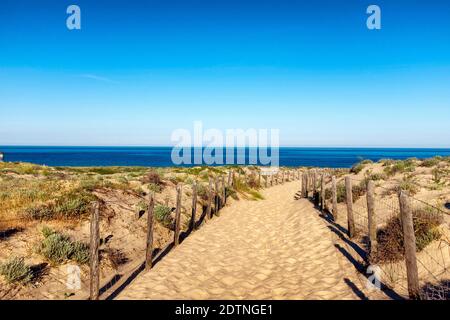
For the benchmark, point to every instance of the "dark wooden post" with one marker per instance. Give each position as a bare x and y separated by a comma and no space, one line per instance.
224,190
178,216
94,257
271,179
372,225
266,178
194,205
410,246
216,196
334,192
208,208
304,185
322,191
349,200
259,179
149,246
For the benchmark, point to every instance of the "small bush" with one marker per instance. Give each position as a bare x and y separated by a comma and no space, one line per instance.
162,215
409,185
15,270
366,161
400,167
202,191
341,192
430,162
71,205
154,187
358,191
58,248
152,177
390,238
386,162
357,168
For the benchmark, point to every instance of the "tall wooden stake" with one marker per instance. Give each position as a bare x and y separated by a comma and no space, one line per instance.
94,257
334,192
349,199
149,244
178,216
410,246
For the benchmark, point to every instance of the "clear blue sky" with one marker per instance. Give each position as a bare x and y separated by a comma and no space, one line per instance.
135,71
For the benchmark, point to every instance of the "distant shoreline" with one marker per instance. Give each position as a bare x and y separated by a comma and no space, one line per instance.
332,157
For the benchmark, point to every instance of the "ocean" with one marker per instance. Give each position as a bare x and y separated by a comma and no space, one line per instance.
161,156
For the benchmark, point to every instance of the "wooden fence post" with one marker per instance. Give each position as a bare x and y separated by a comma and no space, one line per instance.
266,178
322,191
149,246
304,185
259,179
216,196
224,190
178,216
94,257
410,246
334,192
230,178
209,205
194,205
372,225
349,200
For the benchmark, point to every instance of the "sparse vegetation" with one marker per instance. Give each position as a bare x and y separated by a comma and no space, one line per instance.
162,215
59,248
390,238
15,270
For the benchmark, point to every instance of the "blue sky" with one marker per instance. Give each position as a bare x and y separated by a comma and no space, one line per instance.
137,71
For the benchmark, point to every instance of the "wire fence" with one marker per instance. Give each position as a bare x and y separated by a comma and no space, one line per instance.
386,249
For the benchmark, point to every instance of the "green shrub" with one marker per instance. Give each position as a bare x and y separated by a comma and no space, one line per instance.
390,246
71,205
400,167
409,185
341,192
357,168
358,190
154,187
430,162
162,215
15,270
202,191
386,162
59,248
366,161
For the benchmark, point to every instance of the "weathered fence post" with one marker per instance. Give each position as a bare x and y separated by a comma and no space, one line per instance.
94,257
349,200
259,179
334,192
178,216
271,179
322,191
371,219
194,205
410,246
149,245
230,178
217,196
304,186
224,190
266,178
209,205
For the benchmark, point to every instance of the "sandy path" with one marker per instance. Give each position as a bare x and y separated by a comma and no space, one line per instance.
277,248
